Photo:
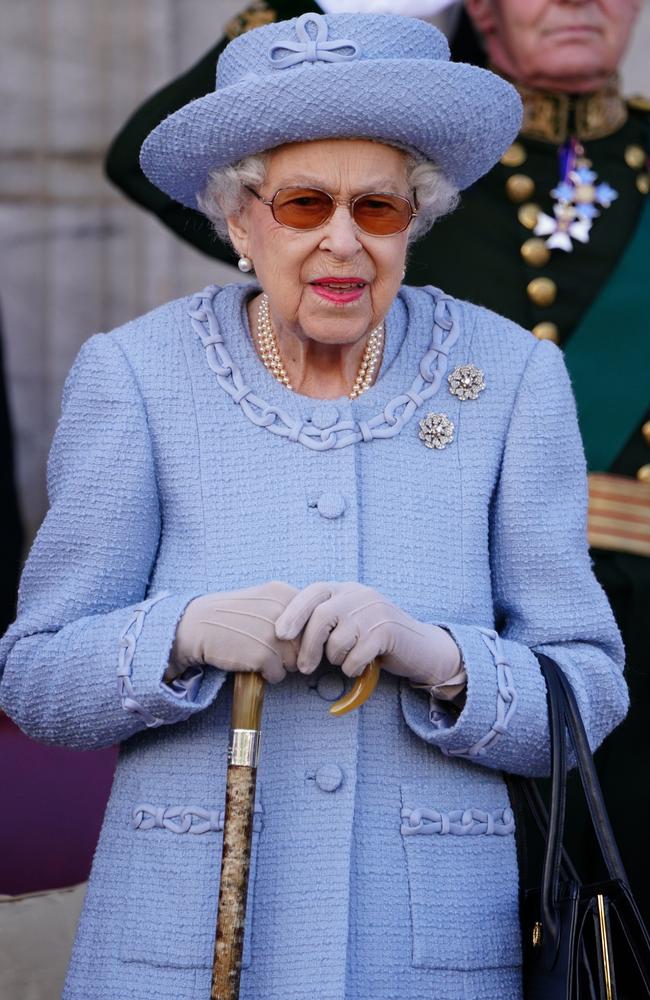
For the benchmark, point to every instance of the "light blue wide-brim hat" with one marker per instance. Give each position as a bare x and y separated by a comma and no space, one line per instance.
374,76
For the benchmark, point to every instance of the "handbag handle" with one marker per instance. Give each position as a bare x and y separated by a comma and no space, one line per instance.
549,891
539,813
565,720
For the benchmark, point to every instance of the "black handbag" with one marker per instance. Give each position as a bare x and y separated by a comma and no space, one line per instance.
575,935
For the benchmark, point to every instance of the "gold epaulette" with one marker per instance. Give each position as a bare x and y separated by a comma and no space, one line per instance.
638,102
254,16
619,513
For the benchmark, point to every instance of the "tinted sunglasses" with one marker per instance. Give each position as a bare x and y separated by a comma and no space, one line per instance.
304,208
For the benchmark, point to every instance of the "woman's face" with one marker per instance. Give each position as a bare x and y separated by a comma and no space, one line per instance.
567,45
292,266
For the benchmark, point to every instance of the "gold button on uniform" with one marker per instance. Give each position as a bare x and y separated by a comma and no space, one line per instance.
542,291
535,252
643,183
643,474
547,331
635,156
645,430
514,156
520,187
528,213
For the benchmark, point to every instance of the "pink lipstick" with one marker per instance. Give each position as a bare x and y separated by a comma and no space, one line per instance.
339,289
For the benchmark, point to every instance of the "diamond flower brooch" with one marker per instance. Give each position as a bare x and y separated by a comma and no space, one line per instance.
466,382
436,429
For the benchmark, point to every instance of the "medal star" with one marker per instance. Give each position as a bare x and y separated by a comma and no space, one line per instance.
577,197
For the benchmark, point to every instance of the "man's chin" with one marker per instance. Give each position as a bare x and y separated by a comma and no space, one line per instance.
587,72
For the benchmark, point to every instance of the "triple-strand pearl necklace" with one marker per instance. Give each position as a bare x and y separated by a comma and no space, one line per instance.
270,352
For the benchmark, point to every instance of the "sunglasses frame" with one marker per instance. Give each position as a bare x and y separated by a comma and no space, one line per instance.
335,204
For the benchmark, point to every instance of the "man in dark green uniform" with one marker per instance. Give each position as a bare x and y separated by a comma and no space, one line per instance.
556,237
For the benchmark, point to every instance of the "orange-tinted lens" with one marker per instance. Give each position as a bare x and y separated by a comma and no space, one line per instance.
382,214
302,208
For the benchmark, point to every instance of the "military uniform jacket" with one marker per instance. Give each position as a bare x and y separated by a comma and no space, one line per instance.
384,859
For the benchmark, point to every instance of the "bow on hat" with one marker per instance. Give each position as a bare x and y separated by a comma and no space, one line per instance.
308,49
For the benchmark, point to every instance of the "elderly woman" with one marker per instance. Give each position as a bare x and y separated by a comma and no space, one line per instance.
294,478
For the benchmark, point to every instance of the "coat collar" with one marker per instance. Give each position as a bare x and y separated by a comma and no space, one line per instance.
421,329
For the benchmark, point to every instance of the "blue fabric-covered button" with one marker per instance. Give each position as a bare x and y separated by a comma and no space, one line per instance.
330,505
330,686
324,416
329,777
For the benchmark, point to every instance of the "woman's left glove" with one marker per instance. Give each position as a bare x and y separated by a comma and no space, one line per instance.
352,624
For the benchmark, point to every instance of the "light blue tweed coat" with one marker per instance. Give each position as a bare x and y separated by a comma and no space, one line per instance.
384,858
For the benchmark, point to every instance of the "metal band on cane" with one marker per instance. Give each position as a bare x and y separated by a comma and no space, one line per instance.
244,748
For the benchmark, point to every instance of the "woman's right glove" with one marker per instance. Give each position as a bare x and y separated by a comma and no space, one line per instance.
235,630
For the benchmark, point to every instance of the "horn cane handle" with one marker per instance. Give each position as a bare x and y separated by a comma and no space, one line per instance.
360,691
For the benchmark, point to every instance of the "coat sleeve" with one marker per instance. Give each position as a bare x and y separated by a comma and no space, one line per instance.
545,596
82,665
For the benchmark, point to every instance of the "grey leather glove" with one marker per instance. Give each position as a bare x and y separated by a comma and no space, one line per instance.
351,624
235,630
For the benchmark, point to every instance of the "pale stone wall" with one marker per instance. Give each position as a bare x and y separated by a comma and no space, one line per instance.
77,257
635,69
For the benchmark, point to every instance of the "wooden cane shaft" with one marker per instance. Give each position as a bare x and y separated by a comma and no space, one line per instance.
246,714
235,863
247,699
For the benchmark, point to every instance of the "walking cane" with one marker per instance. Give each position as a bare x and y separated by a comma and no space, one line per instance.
243,755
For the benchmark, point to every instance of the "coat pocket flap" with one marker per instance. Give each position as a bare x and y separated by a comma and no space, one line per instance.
462,872
175,853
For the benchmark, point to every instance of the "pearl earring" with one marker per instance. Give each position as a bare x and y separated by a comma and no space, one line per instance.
245,264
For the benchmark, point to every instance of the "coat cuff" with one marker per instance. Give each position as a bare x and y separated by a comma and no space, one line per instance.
143,653
490,703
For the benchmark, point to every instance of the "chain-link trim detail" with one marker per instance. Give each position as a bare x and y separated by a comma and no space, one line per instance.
458,822
183,819
128,642
506,700
385,424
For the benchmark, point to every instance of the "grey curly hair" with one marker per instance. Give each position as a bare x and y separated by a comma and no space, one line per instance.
225,193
